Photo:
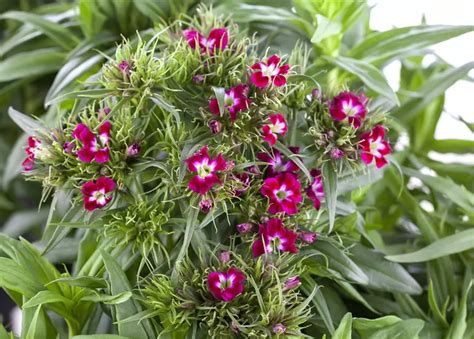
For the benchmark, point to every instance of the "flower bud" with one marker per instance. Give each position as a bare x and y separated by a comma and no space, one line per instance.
336,153
224,257
124,66
291,283
215,126
68,146
198,79
279,328
230,165
133,149
205,205
244,228
308,237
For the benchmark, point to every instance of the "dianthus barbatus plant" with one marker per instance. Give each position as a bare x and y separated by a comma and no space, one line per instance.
202,177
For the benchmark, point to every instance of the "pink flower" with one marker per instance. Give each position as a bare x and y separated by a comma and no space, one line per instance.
291,283
33,149
276,163
336,153
270,71
226,285
308,237
244,228
91,148
316,191
374,146
124,67
274,237
97,193
206,169
284,193
277,126
218,39
350,106
215,126
235,101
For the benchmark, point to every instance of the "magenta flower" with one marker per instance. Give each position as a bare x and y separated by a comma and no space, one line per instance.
348,105
316,190
91,148
274,237
33,149
277,126
374,146
265,73
205,205
218,39
284,193
276,163
235,101
291,283
206,169
226,285
97,193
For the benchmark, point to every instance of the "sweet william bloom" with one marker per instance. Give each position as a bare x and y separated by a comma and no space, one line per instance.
33,150
97,193
276,162
206,169
374,146
218,39
284,193
235,101
348,105
266,73
91,148
274,237
226,285
276,127
315,191
291,283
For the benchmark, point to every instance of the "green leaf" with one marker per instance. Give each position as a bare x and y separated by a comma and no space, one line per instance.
119,284
58,33
16,278
47,297
341,263
30,64
91,17
21,221
326,28
368,74
99,336
433,88
381,46
152,9
15,158
319,302
382,274
84,281
108,299
388,327
344,330
330,191
27,124
455,193
452,244
459,325
40,326
457,146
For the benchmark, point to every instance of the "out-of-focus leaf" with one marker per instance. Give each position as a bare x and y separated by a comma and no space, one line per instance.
326,28
40,326
344,330
433,88
109,299
155,10
330,191
382,274
380,46
21,221
30,64
84,281
459,325
388,327
91,17
99,336
60,34
457,146
47,297
452,244
27,124
370,75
